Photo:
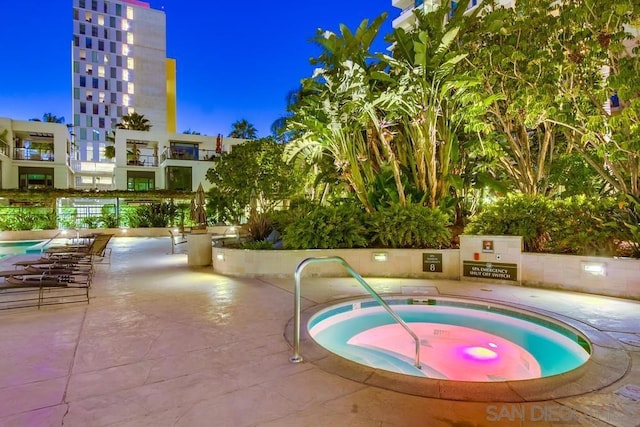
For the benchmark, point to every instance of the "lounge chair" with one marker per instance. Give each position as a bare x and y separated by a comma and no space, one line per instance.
47,282
97,248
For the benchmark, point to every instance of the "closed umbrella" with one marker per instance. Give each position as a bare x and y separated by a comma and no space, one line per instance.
200,211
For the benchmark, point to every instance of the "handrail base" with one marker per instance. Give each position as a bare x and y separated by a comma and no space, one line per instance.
296,359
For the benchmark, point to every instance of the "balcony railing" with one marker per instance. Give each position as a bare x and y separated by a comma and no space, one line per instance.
201,155
142,160
39,155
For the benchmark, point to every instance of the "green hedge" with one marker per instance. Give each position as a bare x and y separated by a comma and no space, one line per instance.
576,225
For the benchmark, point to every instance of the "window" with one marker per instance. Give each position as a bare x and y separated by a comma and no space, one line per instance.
89,121
140,181
83,54
94,83
76,14
105,33
88,69
114,98
94,56
94,4
119,61
33,178
76,93
76,67
125,75
124,25
82,29
81,3
125,100
96,134
118,35
112,47
83,133
118,9
130,38
101,20
88,17
112,21
101,97
105,7
83,107
178,178
87,43
101,122
89,95
118,86
101,71
129,12
76,119
125,50
130,63
76,41
83,81
112,72
94,31
105,59
106,110
130,88
101,45
96,110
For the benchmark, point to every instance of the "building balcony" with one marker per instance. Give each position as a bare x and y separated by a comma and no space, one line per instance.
201,155
33,154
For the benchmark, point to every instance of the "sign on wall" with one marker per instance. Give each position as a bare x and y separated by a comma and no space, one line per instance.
490,270
432,262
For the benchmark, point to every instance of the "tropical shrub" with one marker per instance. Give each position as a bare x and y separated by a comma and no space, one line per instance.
327,227
586,226
153,215
629,216
517,214
259,226
411,226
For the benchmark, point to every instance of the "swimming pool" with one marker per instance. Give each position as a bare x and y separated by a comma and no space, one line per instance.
10,248
459,340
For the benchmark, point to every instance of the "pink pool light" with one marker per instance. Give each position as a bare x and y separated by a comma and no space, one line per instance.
453,352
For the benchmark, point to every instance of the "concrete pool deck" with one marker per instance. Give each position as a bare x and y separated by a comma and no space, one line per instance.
162,344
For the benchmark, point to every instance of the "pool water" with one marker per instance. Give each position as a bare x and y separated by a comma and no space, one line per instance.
459,341
10,248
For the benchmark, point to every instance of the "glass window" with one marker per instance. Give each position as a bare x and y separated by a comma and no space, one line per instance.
112,21
101,96
94,31
119,61
118,86
76,119
106,85
82,29
129,12
96,135
118,35
94,56
101,45
94,83
89,121
76,93
83,81
87,43
96,110
112,72
88,17
130,63
83,54
76,41
94,4
140,181
76,67
114,98
81,3
178,178
101,20
118,9
112,47
130,88
125,75
88,69
106,110
83,133
105,33
101,71
130,38
89,95
35,178
101,122
83,107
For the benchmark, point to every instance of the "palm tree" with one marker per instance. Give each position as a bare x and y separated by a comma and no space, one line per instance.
243,129
134,121
49,118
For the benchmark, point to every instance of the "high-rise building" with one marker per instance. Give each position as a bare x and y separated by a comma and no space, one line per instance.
120,66
407,18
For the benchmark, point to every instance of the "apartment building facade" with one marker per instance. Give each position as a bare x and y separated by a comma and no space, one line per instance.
407,19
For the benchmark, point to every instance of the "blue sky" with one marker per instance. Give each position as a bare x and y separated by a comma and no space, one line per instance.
234,59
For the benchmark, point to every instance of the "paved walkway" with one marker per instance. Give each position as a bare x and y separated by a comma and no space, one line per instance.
161,344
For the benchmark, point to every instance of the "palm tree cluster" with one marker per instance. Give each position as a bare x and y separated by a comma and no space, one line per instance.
492,100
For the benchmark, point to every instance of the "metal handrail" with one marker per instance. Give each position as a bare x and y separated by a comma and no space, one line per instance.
297,358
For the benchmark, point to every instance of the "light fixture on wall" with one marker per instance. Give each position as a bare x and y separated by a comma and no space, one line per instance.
595,268
220,256
380,256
